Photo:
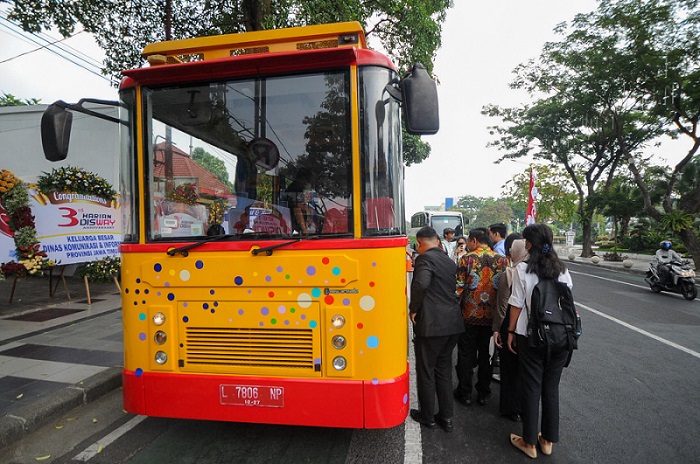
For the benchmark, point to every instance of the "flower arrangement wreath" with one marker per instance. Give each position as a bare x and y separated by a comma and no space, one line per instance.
14,198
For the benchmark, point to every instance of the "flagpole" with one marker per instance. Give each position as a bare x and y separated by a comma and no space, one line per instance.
531,215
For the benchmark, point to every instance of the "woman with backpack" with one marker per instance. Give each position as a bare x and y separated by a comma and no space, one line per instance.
539,368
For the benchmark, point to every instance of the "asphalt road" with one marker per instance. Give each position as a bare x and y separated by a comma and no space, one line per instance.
631,395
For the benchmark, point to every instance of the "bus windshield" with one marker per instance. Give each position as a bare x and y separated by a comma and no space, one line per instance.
441,222
269,156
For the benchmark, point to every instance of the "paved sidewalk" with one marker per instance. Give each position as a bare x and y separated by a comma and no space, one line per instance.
55,353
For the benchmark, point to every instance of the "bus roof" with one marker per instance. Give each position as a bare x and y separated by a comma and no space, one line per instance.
337,35
439,213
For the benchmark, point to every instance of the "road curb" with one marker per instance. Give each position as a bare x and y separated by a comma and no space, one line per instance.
39,413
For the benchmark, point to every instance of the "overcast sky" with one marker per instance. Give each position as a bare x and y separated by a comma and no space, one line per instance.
481,44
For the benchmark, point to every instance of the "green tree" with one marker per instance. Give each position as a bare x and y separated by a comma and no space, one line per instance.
557,198
621,202
212,164
493,212
589,118
552,130
410,31
483,211
651,68
7,99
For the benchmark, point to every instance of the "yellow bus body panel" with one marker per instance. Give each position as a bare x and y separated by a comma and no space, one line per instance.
229,312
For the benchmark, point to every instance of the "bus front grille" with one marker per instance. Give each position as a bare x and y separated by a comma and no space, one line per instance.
249,348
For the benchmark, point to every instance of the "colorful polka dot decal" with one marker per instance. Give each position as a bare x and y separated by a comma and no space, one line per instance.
304,300
367,303
299,295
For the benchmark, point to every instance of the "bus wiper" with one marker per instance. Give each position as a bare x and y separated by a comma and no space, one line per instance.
183,249
268,249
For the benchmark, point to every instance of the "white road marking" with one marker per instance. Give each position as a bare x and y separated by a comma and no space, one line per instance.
608,279
412,438
641,331
99,445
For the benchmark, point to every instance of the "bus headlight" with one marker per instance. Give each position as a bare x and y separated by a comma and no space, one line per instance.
159,318
337,321
161,357
339,342
160,337
339,363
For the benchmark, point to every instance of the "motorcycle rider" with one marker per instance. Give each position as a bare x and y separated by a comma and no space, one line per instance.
664,257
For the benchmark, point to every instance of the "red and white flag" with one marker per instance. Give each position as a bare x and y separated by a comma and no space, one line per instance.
531,216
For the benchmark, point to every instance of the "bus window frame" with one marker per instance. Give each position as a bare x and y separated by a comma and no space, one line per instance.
393,134
128,168
148,169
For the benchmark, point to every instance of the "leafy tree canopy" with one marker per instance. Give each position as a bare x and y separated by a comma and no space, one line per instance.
557,195
621,76
212,164
484,211
7,99
409,31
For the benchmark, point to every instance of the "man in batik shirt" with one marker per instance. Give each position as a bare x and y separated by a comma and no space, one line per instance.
477,281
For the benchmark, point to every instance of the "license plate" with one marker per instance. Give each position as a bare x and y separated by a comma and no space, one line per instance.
252,395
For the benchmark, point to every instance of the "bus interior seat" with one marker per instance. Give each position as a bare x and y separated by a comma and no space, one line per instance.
335,221
380,213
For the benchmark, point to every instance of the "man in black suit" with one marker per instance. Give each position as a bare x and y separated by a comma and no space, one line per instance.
437,323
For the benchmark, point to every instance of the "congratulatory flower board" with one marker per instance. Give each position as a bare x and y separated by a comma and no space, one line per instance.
77,217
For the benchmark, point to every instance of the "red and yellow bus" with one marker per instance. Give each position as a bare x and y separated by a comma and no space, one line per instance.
263,258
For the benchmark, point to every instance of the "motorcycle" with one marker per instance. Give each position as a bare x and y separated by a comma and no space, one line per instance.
681,279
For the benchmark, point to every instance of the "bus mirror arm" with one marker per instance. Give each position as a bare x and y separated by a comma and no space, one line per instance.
81,109
392,88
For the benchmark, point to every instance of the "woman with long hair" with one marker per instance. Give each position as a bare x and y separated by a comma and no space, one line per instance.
539,371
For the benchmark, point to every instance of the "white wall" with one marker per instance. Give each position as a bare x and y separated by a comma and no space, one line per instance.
94,143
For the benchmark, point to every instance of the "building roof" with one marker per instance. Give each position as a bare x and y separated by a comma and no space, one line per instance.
184,166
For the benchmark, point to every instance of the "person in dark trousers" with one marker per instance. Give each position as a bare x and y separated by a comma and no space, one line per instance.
539,370
477,281
437,323
509,393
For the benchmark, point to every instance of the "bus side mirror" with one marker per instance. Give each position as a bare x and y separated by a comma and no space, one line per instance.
420,102
55,132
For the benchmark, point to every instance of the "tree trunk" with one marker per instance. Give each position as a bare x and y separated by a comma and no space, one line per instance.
587,251
586,216
692,244
254,12
625,227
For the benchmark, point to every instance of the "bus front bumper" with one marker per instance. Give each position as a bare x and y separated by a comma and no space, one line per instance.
324,403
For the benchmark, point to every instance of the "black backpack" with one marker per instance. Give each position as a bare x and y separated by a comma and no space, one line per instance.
554,322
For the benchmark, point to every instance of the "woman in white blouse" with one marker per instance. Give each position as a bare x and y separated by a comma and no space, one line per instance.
539,373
